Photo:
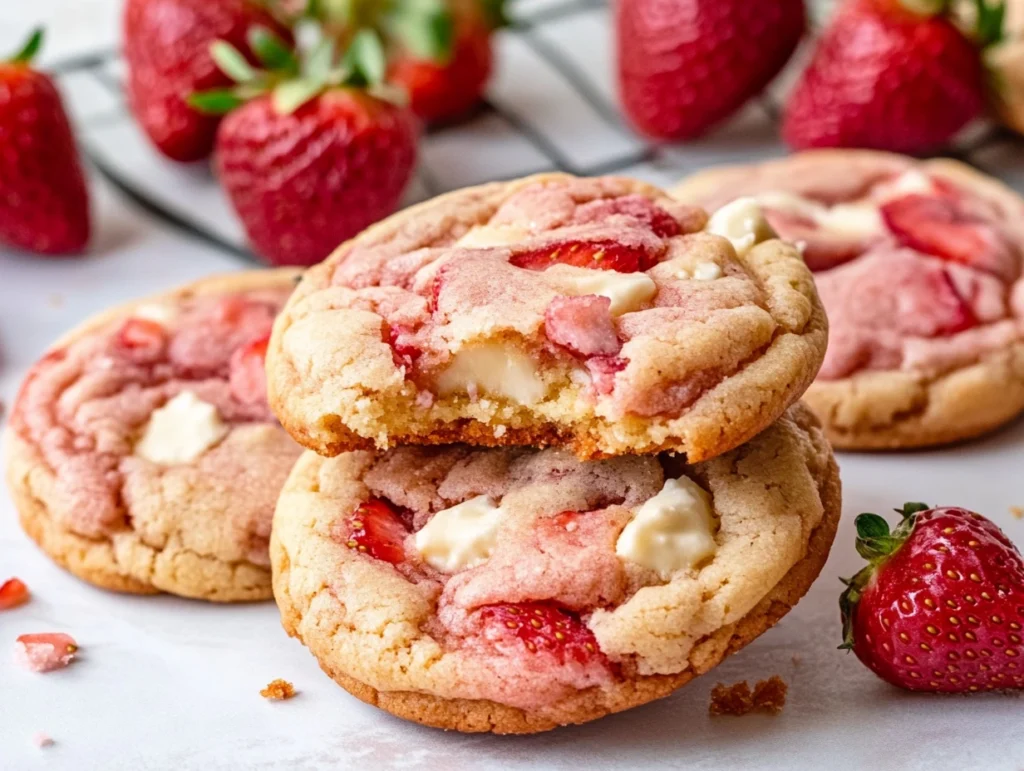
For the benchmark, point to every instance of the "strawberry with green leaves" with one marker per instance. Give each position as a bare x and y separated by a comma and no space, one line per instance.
438,51
940,605
312,151
44,202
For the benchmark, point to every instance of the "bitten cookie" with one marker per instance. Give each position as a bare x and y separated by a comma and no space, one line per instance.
514,590
919,267
593,313
141,453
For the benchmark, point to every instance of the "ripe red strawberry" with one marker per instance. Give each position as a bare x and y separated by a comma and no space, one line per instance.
940,606
887,78
13,593
543,627
247,376
936,225
167,50
44,203
447,87
318,158
685,65
598,255
375,528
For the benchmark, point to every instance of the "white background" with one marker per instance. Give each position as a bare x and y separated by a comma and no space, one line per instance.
167,683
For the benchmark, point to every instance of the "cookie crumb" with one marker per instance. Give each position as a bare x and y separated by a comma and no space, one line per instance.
55,300
796,660
278,690
41,740
1017,512
768,696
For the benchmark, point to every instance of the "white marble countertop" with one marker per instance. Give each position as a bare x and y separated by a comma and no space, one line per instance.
166,683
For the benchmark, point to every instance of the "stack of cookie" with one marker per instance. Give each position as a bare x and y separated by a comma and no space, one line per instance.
556,467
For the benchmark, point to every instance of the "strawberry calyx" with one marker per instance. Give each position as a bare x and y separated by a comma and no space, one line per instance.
292,78
29,48
875,543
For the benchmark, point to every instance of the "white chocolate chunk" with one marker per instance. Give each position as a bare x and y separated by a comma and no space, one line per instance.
494,369
161,313
707,271
627,291
461,537
672,531
911,182
482,236
855,219
181,430
743,223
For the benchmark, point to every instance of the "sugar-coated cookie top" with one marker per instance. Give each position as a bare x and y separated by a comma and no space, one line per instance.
918,264
604,287
151,406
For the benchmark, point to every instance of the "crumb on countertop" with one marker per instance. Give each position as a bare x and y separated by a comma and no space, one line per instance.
796,660
42,740
1017,512
768,696
278,690
55,300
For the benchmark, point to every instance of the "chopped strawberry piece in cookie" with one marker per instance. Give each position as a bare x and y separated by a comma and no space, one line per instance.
142,335
597,255
603,370
583,325
13,593
636,207
938,226
375,528
951,312
400,339
541,626
45,652
247,375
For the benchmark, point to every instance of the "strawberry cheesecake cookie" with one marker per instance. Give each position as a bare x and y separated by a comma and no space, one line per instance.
141,453
514,590
918,264
594,313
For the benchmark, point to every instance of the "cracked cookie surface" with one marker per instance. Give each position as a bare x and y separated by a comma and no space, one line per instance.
141,453
514,590
919,266
551,311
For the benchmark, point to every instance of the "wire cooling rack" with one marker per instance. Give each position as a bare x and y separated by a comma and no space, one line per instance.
551,106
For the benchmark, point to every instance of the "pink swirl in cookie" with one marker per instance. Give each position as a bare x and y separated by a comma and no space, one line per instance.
159,414
563,278
918,265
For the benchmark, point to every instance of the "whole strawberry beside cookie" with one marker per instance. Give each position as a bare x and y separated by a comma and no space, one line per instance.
44,202
940,606
893,75
312,151
167,51
686,65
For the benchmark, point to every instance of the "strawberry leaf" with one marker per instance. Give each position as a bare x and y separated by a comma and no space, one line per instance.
990,20
910,509
31,47
426,28
319,62
494,13
232,63
364,60
289,96
272,51
219,101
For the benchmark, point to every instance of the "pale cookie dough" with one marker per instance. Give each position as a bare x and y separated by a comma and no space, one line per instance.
551,311
919,266
554,614
141,453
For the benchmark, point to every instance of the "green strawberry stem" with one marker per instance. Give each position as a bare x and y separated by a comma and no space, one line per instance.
293,80
31,47
988,28
876,544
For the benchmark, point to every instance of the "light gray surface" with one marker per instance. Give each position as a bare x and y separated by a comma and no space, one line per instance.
166,683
